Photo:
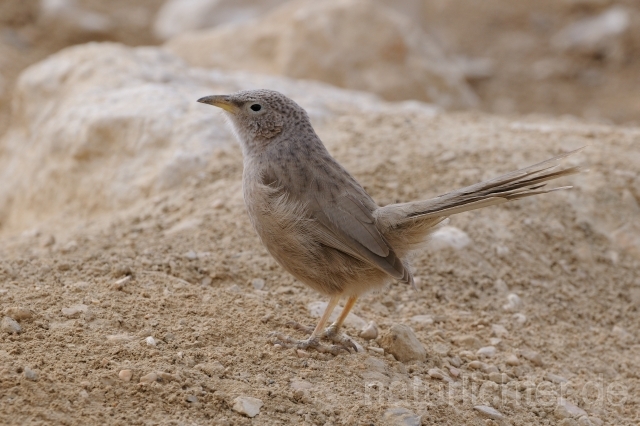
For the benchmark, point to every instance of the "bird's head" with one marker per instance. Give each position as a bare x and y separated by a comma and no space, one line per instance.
260,117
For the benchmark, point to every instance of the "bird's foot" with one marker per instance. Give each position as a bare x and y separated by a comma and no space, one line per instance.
330,333
312,342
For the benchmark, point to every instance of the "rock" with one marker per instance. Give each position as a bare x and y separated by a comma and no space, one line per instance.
150,341
75,310
488,412
565,409
596,421
247,406
130,88
69,17
487,352
168,377
499,378
401,342
125,375
302,353
257,283
18,313
191,399
370,331
466,341
191,255
554,378
119,338
422,319
499,330
519,318
300,39
585,421
300,385
595,35
436,373
30,374
176,17
449,237
512,359
11,326
316,309
513,303
532,356
149,378
401,417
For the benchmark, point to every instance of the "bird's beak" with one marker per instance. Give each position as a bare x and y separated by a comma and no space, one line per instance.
221,101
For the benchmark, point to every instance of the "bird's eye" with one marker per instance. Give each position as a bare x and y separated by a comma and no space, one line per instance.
256,107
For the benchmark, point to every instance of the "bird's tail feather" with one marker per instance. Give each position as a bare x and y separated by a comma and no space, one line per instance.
511,186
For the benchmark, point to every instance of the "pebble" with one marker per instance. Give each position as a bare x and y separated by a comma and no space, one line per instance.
18,313
75,310
519,318
512,359
247,406
476,365
125,375
370,331
192,399
436,373
11,326
150,341
117,338
585,421
513,302
565,409
596,421
499,330
454,371
567,422
467,341
168,377
30,374
316,309
487,351
455,361
449,237
376,350
83,394
402,343
488,412
422,319
302,354
119,284
401,417
300,385
257,283
499,378
149,378
532,356
191,255
554,378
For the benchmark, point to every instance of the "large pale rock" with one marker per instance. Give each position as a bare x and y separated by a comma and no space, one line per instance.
178,16
98,127
356,44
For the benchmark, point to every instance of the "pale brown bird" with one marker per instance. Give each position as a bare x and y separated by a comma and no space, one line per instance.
319,223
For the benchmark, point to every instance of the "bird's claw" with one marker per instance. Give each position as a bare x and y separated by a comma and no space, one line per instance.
331,333
285,341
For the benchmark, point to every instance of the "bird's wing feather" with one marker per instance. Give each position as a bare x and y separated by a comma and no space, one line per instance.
347,225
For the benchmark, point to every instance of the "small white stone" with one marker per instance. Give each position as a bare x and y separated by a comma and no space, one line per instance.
125,375
554,378
191,255
75,310
495,341
150,341
585,421
512,359
532,356
487,351
519,318
422,319
401,417
300,385
499,378
118,338
449,237
513,302
257,283
370,332
11,326
436,373
488,412
247,406
83,394
149,378
302,354
499,330
30,374
566,409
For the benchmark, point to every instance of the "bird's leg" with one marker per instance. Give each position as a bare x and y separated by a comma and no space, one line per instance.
314,340
331,332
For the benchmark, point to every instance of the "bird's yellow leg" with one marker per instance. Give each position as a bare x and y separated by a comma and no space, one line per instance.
345,311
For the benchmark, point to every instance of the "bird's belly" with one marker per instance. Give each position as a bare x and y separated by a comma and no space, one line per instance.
290,235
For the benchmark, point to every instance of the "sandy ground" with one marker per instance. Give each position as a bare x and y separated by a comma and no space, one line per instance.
180,267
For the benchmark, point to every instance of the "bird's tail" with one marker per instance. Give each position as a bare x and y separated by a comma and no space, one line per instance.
511,186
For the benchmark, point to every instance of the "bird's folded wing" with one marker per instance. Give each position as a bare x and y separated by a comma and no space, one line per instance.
347,225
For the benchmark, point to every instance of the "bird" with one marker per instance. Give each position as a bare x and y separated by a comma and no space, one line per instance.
320,224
